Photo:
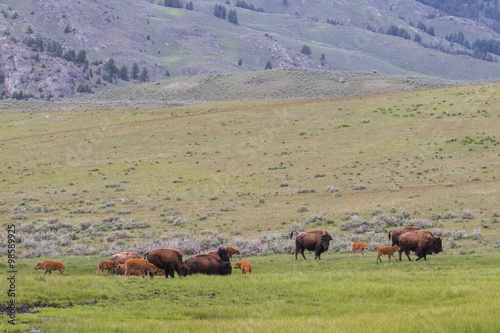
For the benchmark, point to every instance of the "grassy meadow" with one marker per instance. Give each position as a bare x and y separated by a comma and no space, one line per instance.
81,185
337,294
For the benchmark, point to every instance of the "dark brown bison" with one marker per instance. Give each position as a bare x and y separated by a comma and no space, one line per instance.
422,242
210,264
315,240
124,256
168,259
398,232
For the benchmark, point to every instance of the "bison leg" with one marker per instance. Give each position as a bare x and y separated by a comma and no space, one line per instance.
407,252
170,271
361,250
302,252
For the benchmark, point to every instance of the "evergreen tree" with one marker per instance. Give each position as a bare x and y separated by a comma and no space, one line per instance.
430,31
306,50
144,75
417,38
220,11
123,73
135,71
29,30
232,17
268,65
81,57
189,5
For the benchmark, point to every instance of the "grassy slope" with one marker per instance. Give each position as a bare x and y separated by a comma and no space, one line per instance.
438,147
337,294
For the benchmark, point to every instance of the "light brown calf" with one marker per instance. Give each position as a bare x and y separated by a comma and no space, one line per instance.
389,250
51,265
245,266
108,264
358,246
231,251
141,265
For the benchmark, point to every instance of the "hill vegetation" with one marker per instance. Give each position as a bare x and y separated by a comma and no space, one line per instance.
53,51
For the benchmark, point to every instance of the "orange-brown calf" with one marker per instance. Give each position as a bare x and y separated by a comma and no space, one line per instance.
107,264
358,246
389,250
245,266
231,251
140,265
51,265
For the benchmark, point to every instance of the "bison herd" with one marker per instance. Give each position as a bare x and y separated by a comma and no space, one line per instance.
168,261
407,239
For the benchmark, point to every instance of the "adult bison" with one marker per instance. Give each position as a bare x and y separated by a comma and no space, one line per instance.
315,240
168,259
210,264
422,242
124,256
398,232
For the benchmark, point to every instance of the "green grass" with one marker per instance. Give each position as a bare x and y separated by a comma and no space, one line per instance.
446,293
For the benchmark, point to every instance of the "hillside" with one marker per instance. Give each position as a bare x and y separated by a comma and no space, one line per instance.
42,40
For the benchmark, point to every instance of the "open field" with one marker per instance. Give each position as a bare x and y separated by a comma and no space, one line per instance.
446,293
81,185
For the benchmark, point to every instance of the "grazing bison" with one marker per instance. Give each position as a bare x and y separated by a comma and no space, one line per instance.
422,242
124,256
141,265
108,264
398,232
168,259
51,265
210,264
389,250
358,246
245,266
315,240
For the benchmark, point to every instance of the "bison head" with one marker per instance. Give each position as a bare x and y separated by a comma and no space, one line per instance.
183,269
39,266
223,254
437,245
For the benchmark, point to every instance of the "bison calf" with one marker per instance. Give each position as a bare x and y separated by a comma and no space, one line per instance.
389,250
124,256
51,265
141,265
245,266
358,246
108,264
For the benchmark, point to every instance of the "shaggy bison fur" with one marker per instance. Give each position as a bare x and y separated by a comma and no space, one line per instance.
315,240
169,260
210,264
398,232
422,242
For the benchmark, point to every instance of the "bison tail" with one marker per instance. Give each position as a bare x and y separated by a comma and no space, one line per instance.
291,234
146,255
390,234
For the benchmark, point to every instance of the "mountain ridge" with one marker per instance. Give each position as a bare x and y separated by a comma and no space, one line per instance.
175,42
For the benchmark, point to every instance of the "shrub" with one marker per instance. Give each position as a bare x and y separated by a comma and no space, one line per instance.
467,215
332,189
302,209
419,224
358,187
477,234
227,208
453,244
315,218
449,215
